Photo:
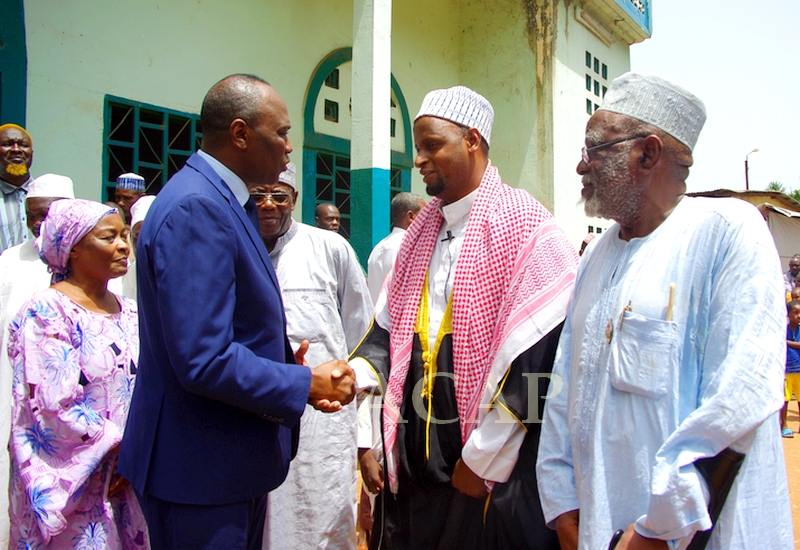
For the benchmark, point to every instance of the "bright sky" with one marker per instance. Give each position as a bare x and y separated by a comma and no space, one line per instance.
742,58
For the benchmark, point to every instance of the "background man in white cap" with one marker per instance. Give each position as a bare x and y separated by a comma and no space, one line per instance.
130,187
404,208
672,351
327,303
22,274
16,157
138,214
473,312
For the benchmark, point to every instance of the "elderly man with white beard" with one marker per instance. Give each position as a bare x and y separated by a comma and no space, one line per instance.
672,354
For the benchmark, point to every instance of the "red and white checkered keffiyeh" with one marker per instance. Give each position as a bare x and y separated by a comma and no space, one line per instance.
513,278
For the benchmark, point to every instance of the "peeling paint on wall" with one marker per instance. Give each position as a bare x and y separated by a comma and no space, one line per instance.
542,29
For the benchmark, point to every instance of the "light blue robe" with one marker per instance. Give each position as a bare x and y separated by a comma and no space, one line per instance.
643,397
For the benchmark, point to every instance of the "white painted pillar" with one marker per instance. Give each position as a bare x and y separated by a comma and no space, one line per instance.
370,140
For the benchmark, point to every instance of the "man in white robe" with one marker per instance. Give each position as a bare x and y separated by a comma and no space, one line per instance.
327,303
22,274
404,208
138,214
672,351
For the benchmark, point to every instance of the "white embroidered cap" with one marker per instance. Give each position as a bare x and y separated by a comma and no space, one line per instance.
288,176
51,186
461,105
659,102
140,208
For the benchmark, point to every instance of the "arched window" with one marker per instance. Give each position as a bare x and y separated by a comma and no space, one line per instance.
326,140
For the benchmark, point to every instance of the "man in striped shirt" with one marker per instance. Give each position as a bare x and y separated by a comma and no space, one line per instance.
16,156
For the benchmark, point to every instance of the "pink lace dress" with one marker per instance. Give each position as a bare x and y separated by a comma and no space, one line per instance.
74,372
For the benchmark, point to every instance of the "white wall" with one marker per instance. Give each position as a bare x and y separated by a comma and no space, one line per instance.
569,105
169,54
164,53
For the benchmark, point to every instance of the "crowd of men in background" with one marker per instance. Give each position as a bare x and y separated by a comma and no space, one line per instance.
508,396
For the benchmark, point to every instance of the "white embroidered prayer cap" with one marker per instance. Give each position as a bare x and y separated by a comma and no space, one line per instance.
461,105
140,208
288,176
51,186
659,102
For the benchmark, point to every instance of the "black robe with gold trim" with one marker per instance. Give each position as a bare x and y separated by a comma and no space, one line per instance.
427,512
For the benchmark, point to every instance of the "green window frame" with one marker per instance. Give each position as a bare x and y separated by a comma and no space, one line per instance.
333,185
593,85
146,139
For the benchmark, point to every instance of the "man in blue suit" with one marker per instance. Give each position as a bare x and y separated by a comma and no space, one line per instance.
214,416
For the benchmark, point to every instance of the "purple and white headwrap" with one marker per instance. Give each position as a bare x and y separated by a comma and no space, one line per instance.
67,222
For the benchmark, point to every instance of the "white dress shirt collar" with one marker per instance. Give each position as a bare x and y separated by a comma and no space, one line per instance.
234,182
456,212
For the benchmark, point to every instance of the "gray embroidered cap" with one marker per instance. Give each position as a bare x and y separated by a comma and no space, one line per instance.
657,101
461,105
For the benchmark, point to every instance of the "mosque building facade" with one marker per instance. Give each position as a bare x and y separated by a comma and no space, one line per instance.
112,87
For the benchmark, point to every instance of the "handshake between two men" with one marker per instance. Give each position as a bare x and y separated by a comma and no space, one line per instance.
332,383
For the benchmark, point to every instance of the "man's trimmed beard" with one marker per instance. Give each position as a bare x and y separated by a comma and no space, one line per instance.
16,170
434,188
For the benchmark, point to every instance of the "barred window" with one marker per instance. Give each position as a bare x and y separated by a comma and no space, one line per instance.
333,79
331,110
596,84
151,141
333,185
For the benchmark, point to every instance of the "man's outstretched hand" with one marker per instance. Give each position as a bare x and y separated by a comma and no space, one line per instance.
332,386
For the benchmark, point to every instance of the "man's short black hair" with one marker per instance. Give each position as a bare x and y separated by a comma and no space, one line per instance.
235,96
321,207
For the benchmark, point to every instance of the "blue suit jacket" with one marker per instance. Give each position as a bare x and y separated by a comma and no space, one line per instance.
216,407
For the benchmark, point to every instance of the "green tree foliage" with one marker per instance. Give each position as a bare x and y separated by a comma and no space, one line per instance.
776,186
